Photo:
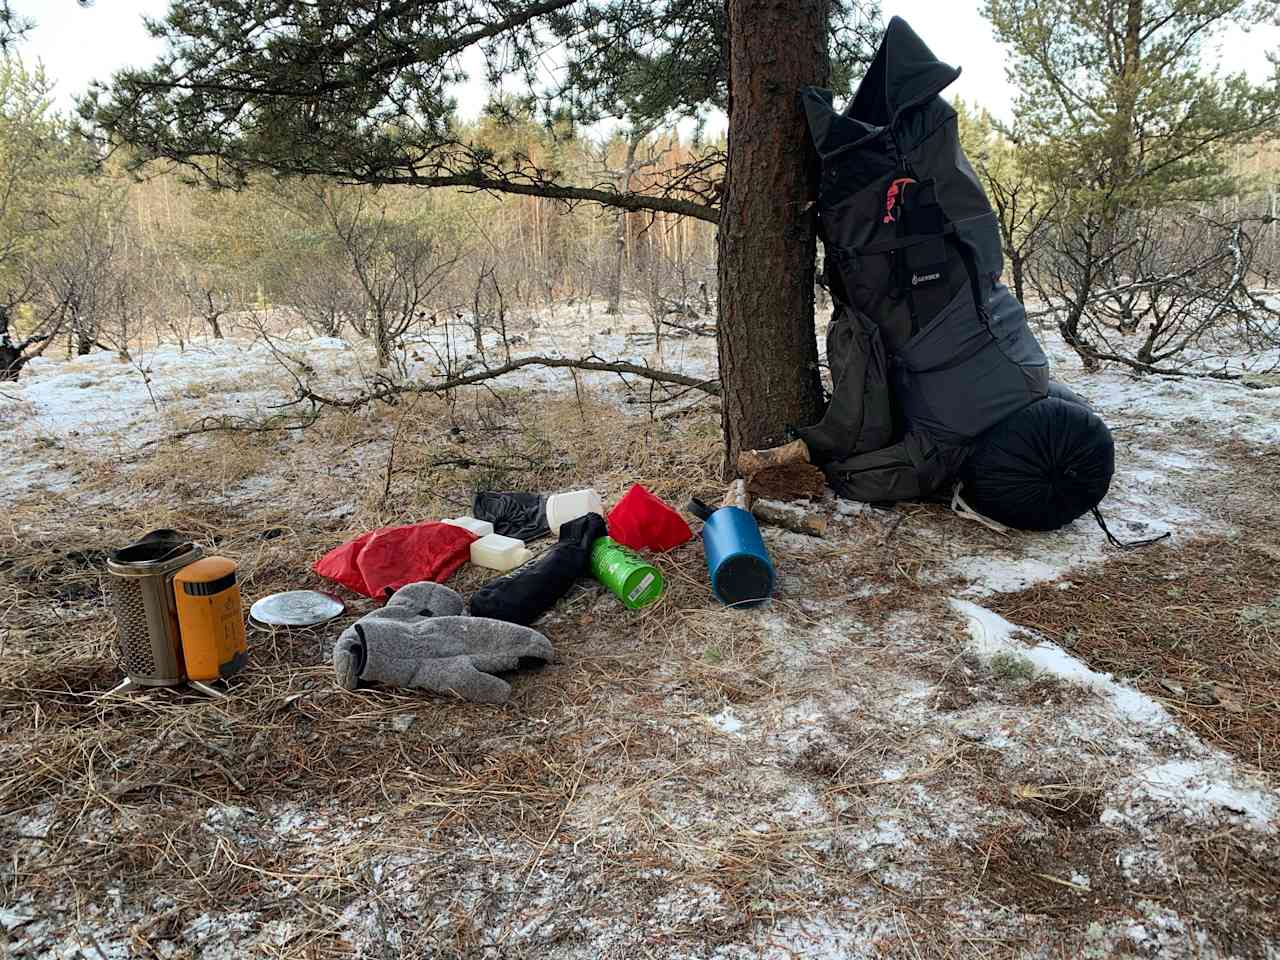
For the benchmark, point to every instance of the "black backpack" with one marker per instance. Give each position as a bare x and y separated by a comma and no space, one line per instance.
927,348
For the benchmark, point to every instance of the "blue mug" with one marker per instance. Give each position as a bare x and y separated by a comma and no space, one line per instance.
741,573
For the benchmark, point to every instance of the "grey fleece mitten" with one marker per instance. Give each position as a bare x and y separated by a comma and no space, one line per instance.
411,604
404,645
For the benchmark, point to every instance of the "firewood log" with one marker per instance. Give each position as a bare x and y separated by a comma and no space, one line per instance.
751,462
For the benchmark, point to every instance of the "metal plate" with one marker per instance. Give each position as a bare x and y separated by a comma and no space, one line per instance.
296,608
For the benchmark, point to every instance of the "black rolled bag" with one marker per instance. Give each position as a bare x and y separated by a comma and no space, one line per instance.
512,513
1041,468
1062,392
528,592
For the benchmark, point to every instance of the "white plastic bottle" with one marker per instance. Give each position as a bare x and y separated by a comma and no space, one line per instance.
563,507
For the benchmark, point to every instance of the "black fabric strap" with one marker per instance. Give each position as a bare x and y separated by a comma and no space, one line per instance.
699,509
1132,544
888,246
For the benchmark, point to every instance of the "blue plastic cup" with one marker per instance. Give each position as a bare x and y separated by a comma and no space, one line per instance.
741,572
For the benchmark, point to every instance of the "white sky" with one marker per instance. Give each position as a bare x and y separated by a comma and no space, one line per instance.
77,45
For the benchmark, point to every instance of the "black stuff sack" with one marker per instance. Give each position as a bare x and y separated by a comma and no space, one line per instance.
1063,392
1040,468
513,514
528,592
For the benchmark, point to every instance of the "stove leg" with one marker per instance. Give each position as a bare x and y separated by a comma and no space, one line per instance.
124,686
206,689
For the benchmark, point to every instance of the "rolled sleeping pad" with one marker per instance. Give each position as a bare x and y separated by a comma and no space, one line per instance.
1040,468
741,573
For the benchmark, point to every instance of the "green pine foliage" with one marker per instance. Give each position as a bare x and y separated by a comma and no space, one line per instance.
1115,101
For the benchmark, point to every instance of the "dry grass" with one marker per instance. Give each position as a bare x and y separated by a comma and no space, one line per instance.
121,791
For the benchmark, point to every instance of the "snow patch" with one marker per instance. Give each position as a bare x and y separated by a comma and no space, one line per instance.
1198,790
726,721
991,633
994,574
1202,786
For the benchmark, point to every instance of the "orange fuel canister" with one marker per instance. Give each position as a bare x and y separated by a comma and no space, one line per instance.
210,619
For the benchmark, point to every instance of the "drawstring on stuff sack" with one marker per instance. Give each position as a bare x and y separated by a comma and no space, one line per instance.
1132,544
963,510
966,512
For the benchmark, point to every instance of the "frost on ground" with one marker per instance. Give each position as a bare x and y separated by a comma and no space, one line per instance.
1201,786
877,764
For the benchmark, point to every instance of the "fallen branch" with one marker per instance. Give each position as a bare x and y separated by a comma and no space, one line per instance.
790,517
695,329
236,424
388,391
1140,367
751,462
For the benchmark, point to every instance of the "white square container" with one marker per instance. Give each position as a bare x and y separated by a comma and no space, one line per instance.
481,528
497,552
563,507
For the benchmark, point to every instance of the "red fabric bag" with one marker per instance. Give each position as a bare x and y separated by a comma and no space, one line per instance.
643,522
380,562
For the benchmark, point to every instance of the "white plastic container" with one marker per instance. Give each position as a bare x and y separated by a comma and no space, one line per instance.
497,552
563,507
481,528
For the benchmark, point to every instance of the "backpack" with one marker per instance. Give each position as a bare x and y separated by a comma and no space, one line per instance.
927,349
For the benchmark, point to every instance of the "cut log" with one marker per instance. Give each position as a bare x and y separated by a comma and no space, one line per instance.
789,481
791,517
751,462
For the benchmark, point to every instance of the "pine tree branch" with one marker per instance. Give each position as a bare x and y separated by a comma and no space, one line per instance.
568,193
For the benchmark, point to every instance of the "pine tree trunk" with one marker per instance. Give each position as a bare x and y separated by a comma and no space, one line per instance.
620,255
620,227
381,342
1018,275
10,366
84,339
614,306
767,341
1120,137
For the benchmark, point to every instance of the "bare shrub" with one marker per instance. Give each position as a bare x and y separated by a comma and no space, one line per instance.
1161,291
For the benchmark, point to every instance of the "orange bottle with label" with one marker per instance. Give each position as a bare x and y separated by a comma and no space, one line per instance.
210,619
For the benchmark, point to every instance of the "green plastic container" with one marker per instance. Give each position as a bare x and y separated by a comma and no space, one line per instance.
629,577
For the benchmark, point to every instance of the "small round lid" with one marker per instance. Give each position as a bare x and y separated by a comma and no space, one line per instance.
296,608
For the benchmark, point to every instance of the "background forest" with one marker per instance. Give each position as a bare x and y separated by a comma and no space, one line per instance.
98,258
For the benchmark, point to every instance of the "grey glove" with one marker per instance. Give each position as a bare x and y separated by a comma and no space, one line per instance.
414,601
404,645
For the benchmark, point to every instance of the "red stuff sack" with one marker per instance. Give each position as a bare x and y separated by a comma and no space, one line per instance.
643,522
380,562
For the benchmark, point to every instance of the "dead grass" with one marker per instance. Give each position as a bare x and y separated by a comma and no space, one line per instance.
1190,625
118,793
1070,870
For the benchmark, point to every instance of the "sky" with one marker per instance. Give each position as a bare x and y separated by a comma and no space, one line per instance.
78,45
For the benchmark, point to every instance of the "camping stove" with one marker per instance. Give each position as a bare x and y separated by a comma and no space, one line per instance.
165,637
